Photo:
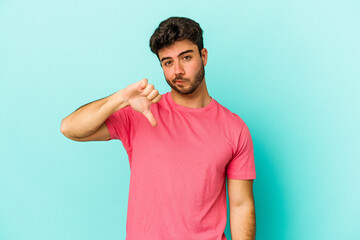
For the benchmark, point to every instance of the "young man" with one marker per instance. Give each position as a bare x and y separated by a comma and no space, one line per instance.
181,146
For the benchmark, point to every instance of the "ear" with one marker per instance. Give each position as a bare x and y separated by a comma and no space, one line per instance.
204,55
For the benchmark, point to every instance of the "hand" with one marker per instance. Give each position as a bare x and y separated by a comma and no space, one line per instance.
140,96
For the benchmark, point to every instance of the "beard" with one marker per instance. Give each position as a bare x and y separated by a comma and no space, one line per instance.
199,77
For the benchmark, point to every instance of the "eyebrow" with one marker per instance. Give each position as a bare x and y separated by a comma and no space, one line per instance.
187,51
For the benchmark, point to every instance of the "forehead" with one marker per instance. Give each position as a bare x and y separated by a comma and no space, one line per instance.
176,48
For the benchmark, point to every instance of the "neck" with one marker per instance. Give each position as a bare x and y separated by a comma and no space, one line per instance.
198,99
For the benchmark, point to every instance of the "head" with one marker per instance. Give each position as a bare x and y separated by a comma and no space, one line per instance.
176,29
178,44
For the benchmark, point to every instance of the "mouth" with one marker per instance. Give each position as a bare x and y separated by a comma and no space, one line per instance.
179,81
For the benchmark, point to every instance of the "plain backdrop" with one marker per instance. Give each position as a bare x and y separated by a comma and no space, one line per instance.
289,69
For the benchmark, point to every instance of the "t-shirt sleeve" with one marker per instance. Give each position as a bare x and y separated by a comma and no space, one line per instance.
242,165
120,125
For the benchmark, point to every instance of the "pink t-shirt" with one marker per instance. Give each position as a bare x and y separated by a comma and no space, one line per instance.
178,169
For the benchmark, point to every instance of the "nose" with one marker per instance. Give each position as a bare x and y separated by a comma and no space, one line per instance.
179,70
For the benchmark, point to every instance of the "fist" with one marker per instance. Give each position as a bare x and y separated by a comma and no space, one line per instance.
140,96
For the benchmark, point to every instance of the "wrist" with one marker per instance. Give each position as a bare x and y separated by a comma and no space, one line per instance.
121,99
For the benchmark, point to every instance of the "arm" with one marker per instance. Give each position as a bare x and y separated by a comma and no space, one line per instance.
242,209
79,125
87,122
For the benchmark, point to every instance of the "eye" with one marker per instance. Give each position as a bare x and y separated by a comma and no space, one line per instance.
186,57
167,63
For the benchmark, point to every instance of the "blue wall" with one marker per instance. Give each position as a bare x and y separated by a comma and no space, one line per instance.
290,69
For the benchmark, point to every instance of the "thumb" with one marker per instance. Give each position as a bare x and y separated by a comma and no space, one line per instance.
142,84
150,117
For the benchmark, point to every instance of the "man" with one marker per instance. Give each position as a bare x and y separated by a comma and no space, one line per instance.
181,146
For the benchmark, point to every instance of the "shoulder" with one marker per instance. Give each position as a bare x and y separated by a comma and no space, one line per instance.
163,103
230,117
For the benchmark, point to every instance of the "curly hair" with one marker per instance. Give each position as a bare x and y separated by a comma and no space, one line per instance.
176,29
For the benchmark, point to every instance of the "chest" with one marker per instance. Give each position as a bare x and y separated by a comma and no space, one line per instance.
182,145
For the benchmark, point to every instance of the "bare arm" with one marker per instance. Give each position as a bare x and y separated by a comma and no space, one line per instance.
242,209
87,122
84,121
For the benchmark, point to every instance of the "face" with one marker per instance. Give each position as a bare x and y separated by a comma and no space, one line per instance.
183,66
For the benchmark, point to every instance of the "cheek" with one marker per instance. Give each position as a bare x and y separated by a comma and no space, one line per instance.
167,74
195,68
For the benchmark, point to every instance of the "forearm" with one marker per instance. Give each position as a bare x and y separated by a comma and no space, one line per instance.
242,222
88,118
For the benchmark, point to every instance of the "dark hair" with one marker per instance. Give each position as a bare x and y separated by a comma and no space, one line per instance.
176,29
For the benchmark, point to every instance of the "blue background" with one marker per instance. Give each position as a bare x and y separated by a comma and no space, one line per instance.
290,69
